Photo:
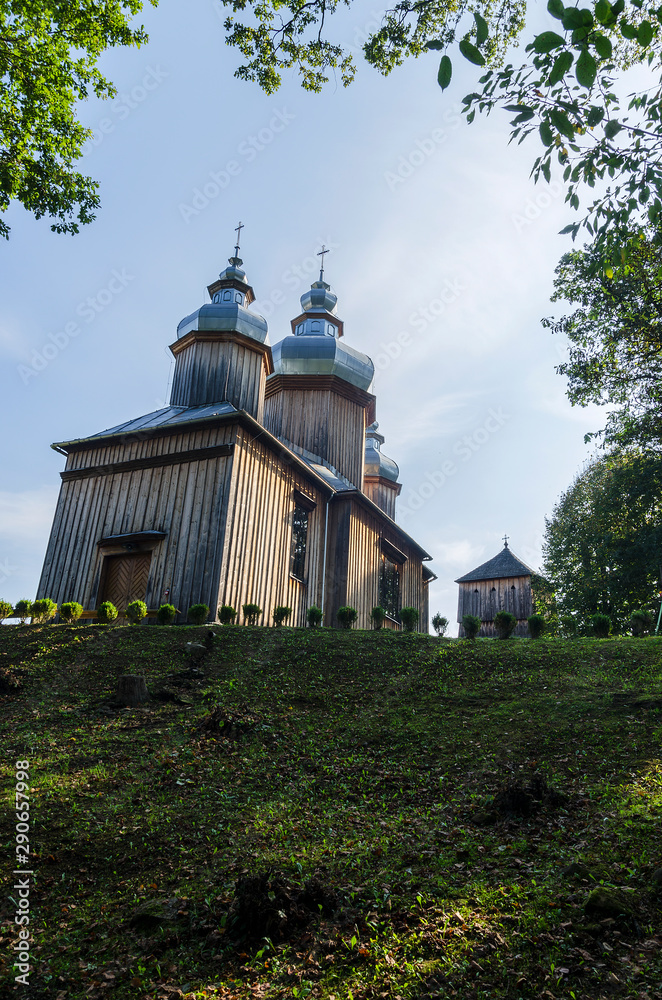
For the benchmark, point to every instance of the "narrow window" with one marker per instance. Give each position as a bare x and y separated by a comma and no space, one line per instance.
299,538
227,295
389,587
237,297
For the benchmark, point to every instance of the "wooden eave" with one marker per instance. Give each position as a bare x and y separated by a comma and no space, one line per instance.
224,336
383,481
320,383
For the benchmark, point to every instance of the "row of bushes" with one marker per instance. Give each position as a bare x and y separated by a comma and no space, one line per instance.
505,624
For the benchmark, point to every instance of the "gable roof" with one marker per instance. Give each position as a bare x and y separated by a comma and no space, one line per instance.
503,565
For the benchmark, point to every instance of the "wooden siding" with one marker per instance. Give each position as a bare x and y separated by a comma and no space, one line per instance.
186,501
383,493
209,370
321,421
483,598
256,557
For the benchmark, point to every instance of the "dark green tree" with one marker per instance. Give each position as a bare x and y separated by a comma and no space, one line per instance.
603,543
48,63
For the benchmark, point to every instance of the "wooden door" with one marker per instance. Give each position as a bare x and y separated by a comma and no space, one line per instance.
125,579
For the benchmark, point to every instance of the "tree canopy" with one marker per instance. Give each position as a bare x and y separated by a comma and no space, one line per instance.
48,62
615,336
603,543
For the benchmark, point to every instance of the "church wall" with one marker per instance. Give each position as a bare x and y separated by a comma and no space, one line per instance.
257,551
381,494
185,500
201,374
483,598
323,422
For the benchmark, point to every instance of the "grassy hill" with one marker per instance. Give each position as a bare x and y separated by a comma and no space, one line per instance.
335,815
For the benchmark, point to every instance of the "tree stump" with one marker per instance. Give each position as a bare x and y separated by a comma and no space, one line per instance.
131,690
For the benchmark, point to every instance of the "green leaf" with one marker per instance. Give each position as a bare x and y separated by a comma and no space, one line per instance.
546,134
612,128
562,123
445,72
627,30
595,116
556,9
645,33
547,41
603,46
586,69
482,31
434,43
575,18
471,53
603,11
561,66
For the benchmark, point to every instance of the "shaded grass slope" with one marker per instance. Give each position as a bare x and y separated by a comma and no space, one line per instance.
335,815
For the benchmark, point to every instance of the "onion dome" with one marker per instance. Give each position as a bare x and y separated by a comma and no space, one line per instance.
315,348
376,464
231,295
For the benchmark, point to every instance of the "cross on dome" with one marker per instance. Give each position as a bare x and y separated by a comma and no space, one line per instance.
236,261
505,541
321,254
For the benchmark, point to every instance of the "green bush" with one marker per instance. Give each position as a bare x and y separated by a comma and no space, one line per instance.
568,626
505,624
378,615
23,610
640,622
346,616
43,610
6,610
471,626
70,612
106,613
440,624
537,625
226,614
601,625
198,614
136,611
166,614
281,614
314,616
410,618
251,613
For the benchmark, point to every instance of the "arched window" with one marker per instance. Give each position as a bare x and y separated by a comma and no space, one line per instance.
238,297
227,295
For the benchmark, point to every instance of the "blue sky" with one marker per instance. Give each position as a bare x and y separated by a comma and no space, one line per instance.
443,253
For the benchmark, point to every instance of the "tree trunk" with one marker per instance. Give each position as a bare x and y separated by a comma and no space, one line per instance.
131,690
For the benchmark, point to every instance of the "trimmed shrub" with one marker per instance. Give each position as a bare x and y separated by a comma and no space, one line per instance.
471,626
226,614
6,610
640,622
23,610
70,612
346,616
136,611
166,614
601,625
378,615
251,613
568,626
410,618
537,625
440,624
314,616
106,613
43,610
281,614
198,614
505,624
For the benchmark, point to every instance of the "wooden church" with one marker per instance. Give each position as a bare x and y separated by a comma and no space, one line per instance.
261,482
500,584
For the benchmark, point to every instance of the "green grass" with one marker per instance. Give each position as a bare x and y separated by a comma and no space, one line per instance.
368,762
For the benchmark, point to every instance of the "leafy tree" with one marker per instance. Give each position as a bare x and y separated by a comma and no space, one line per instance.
544,602
48,64
440,624
603,543
615,335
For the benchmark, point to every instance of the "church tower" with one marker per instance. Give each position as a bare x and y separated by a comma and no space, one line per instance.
221,352
380,474
317,399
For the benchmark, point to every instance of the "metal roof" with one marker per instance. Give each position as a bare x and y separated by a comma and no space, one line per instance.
166,417
503,565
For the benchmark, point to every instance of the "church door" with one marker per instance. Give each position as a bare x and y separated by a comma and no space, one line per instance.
125,579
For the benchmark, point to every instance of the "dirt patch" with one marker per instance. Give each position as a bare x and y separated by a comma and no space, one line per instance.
273,905
230,725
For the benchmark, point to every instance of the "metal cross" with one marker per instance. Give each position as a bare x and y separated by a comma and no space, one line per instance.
321,254
238,232
505,541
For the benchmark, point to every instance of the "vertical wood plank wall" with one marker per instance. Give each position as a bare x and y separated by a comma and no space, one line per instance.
256,557
382,494
480,599
188,501
202,368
